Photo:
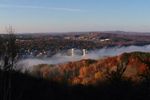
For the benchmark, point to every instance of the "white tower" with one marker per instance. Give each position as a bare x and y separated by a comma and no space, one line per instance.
84,52
72,52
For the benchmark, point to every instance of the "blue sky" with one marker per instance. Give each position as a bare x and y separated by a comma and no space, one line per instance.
75,15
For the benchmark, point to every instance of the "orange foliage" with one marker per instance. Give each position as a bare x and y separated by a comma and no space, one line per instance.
91,71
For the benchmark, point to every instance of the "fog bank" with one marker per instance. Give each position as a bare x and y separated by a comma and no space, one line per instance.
27,64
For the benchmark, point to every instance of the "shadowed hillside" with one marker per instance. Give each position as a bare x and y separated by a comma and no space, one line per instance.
105,79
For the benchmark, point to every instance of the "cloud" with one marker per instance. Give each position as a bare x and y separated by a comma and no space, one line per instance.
41,7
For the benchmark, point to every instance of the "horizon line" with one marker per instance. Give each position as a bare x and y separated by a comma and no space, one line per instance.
76,32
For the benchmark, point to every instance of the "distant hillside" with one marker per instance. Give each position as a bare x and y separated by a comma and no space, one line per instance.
93,71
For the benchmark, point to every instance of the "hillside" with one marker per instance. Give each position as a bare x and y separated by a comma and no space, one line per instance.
127,65
26,87
106,79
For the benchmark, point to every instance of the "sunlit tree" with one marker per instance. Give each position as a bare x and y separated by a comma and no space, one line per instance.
117,75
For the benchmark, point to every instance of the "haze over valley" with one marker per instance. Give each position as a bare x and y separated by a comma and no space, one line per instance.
74,50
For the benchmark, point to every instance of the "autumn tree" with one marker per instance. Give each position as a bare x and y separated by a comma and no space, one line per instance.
146,74
117,75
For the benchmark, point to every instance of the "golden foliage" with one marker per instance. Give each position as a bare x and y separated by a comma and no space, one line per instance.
98,75
91,71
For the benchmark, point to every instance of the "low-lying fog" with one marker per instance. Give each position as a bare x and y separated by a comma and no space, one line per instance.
95,54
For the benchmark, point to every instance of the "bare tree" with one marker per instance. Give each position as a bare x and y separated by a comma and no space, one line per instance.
8,53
